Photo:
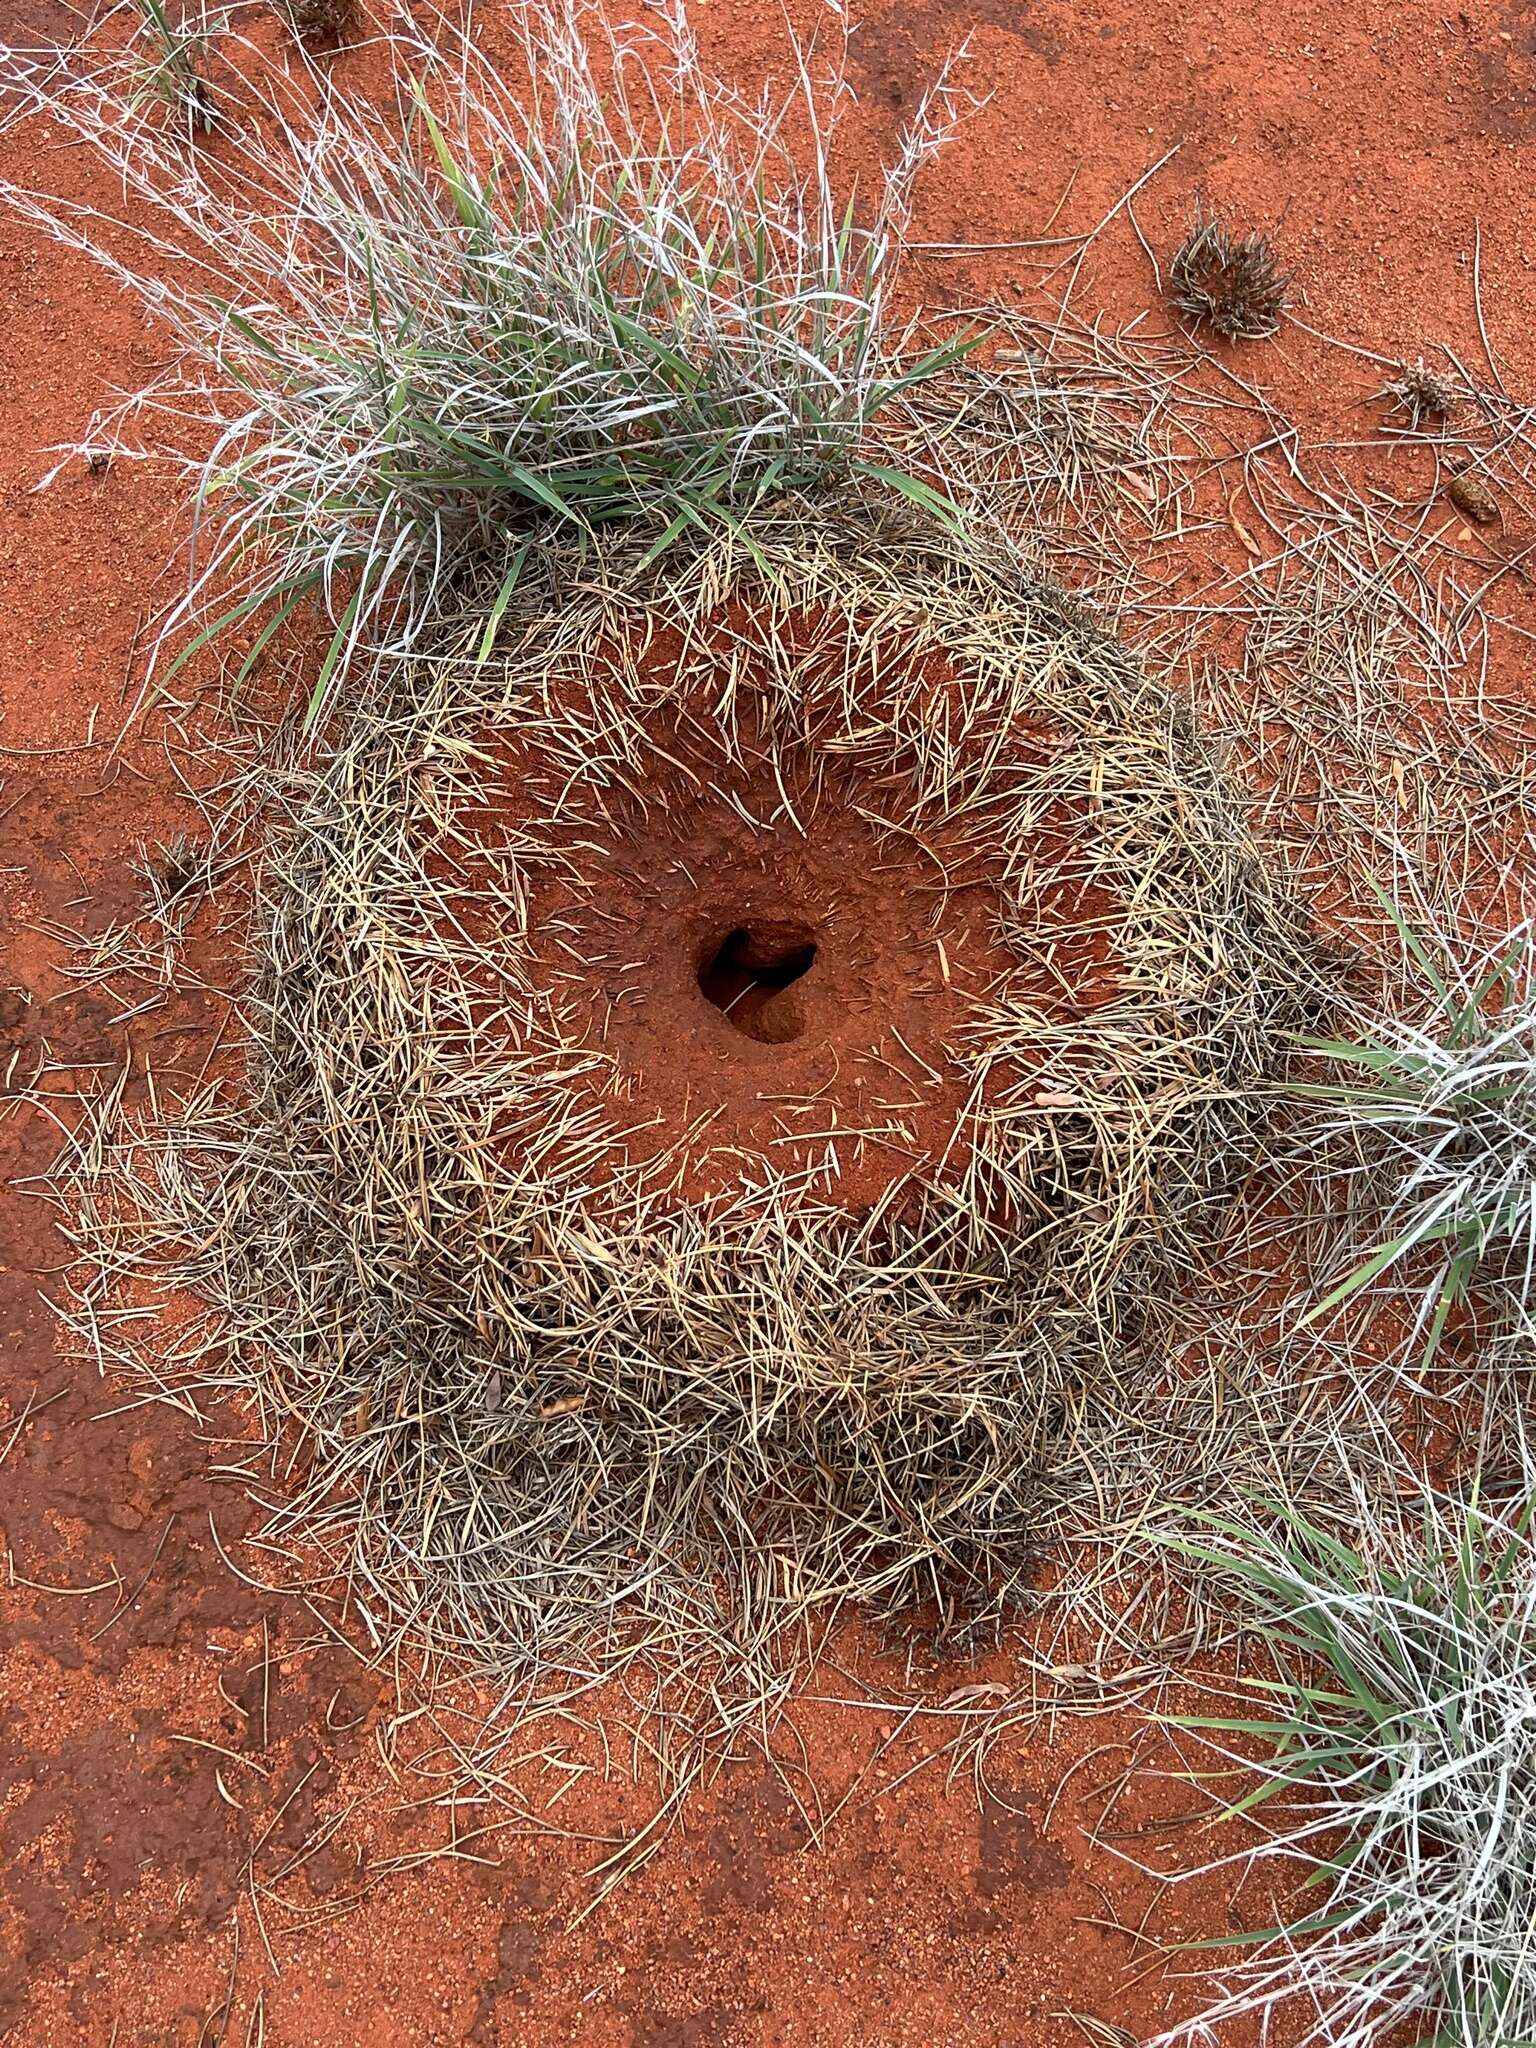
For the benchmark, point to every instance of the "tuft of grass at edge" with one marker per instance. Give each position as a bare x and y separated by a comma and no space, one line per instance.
602,291
1396,1740
1428,1115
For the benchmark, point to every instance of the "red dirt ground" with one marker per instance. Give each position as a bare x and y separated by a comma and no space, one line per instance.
859,1042
1375,137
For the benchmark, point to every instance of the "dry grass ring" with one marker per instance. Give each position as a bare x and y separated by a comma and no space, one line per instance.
738,1066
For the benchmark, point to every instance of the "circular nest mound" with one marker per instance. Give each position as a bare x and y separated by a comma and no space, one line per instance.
739,1063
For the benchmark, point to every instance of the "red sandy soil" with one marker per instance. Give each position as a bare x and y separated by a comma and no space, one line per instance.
891,970
1375,137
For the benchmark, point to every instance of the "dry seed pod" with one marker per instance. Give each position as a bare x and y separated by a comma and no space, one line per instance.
1472,498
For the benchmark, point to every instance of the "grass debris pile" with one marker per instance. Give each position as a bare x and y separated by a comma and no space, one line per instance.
601,1325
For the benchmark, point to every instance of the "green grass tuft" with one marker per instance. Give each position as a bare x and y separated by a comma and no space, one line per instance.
1398,1744
1429,1117
167,62
601,291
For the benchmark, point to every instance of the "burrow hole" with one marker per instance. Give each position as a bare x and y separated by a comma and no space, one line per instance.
750,975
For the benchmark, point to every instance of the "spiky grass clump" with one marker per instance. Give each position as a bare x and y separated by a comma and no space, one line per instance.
1430,1129
317,21
1421,393
1397,1763
576,1380
582,283
1232,284
167,64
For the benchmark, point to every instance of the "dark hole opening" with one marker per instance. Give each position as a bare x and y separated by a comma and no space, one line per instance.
750,976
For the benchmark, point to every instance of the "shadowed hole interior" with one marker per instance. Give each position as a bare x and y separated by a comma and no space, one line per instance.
750,975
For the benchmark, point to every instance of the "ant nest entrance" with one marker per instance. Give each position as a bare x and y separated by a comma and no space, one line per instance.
750,978
778,980
730,1076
